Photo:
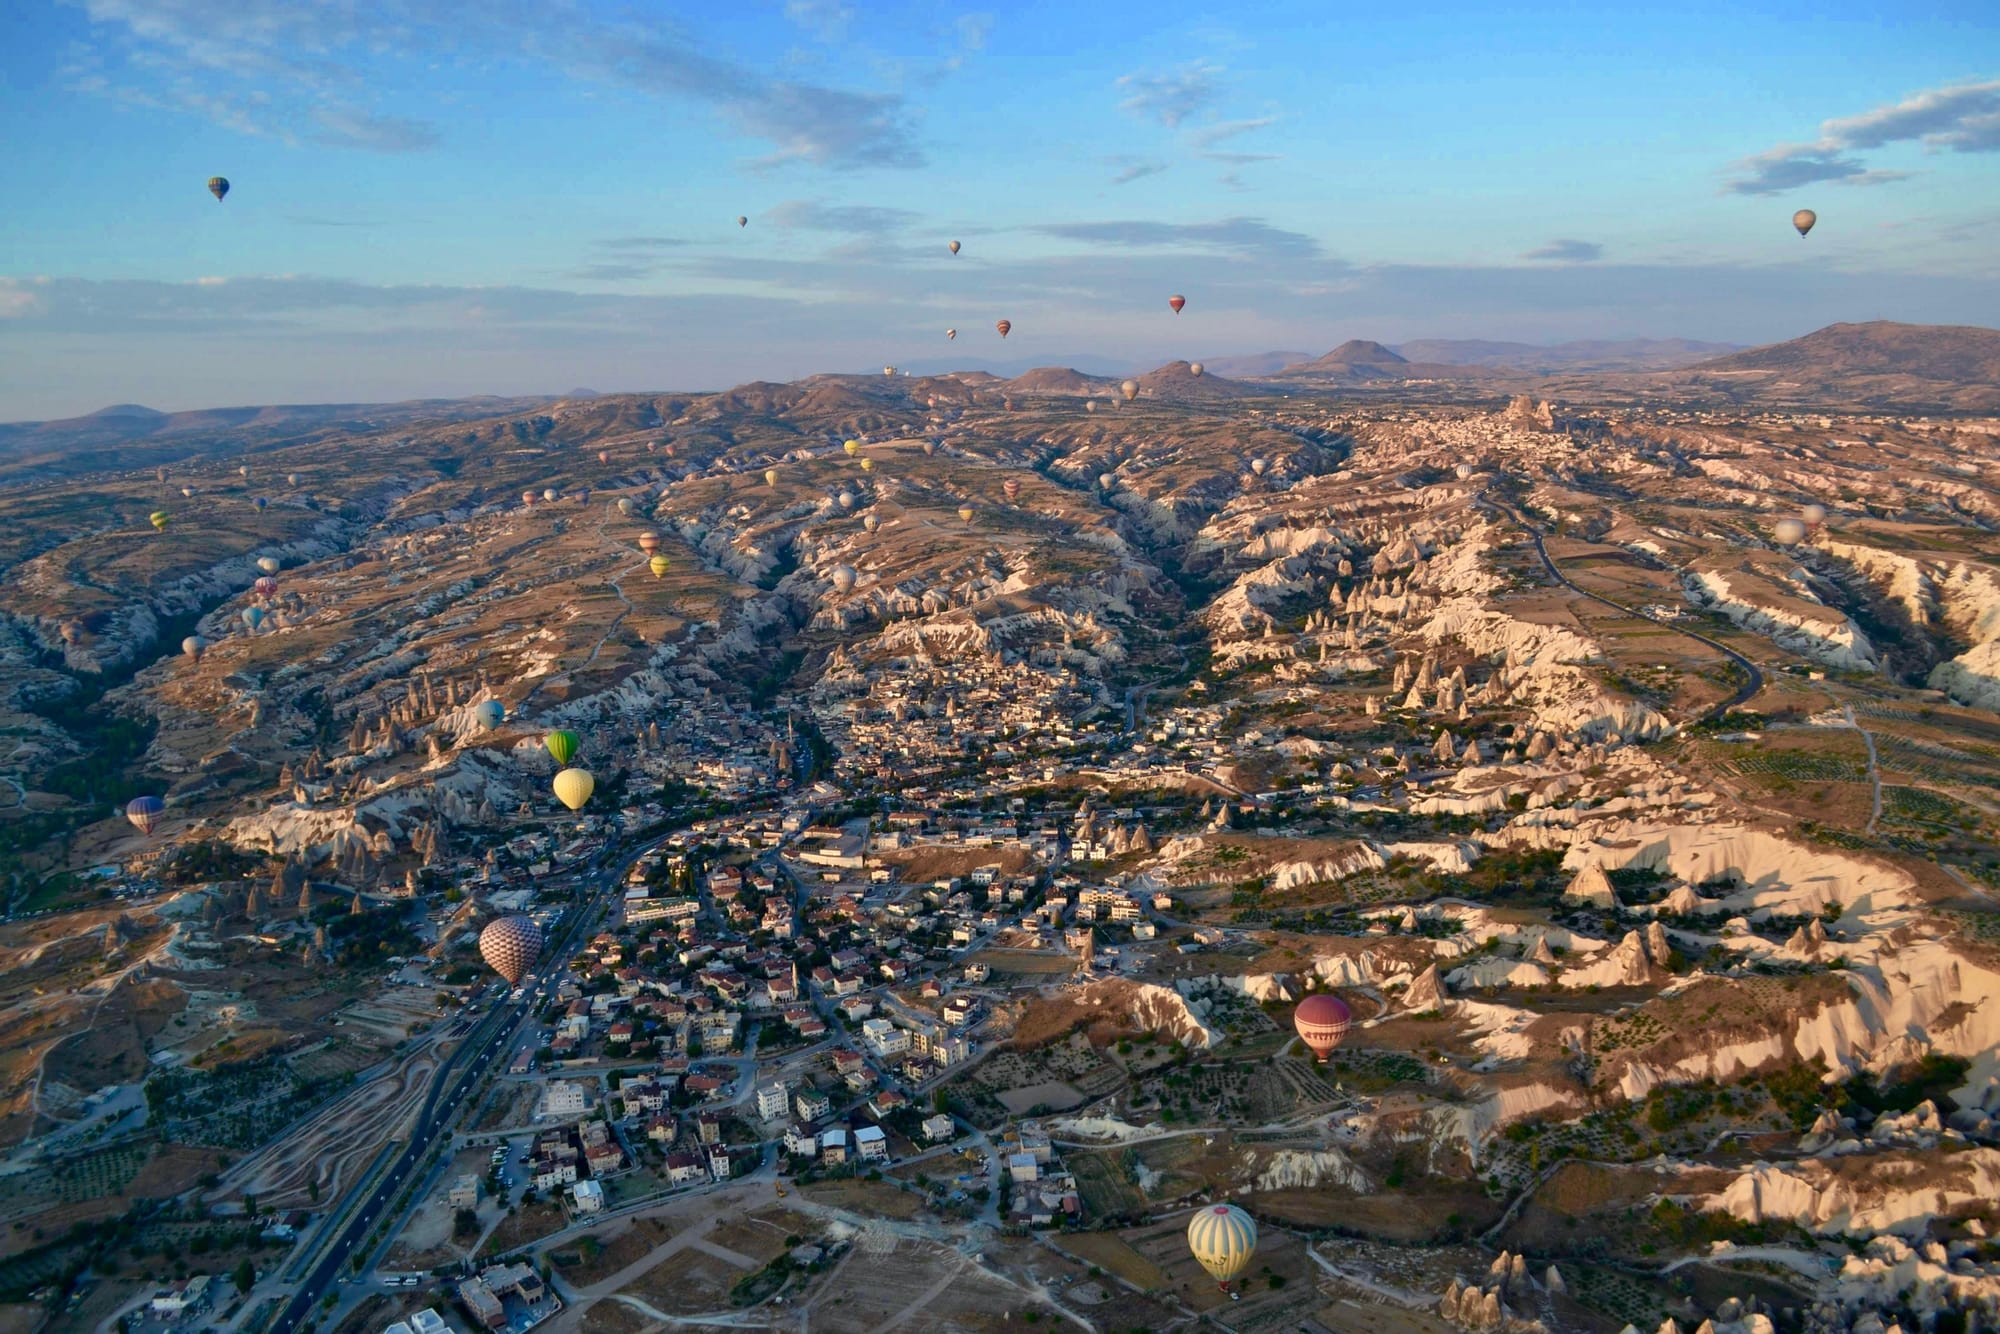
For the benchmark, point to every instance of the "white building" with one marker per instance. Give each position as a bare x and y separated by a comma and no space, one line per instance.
872,1144
884,1038
564,1098
588,1197
772,1101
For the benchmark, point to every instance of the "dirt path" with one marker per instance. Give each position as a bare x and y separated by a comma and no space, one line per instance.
1874,768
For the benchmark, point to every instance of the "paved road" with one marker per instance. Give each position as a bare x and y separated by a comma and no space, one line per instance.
1753,677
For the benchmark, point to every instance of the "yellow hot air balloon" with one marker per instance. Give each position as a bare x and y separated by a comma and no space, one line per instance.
852,447
158,518
770,477
574,786
965,513
659,565
868,465
1222,1238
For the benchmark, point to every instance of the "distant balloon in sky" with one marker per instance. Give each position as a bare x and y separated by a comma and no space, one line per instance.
188,491
625,505
659,565
143,812
269,564
561,744
604,456
1177,301
1107,480
193,645
158,518
1222,1239
742,221
951,333
243,470
1804,220
1130,389
254,618
489,713
1012,487
868,465
954,247
930,448
1814,514
551,495
1789,532
574,786
852,447
1004,326
260,502
649,542
291,479
965,513
218,187
1195,370
528,498
871,523
770,476
266,586
846,499
843,578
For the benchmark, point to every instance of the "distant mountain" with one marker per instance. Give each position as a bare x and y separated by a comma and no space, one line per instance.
1177,380
1356,352
1962,354
1255,364
1056,380
1631,354
135,411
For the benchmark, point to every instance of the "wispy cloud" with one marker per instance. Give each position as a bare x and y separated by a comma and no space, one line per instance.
827,20
308,71
1130,169
1208,136
1171,98
1567,251
1961,118
1238,235
811,215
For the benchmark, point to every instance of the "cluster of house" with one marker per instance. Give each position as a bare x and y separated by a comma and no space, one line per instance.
505,1295
1041,1192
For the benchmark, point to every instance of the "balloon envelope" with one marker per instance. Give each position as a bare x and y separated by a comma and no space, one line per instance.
269,564
965,513
1322,1021
1789,532
574,786
253,617
843,578
770,477
1177,301
1222,1239
951,333
291,479
218,187
659,565
649,542
561,744
193,645
742,221
510,946
954,247
871,523
1813,514
158,518
143,811
1195,370
625,506
1804,220
489,713
1004,326
266,586
1012,486
551,495
1130,389
1107,480
852,447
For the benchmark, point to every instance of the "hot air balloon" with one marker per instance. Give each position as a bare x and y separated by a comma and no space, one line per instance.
1130,389
845,500
510,946
1814,514
72,632
1195,370
193,645
562,744
291,479
243,470
260,502
489,713
269,564
158,518
143,811
625,506
1090,405
528,498
1004,326
742,221
551,495
843,578
188,491
160,473
852,447
218,187
649,542
1177,301
659,565
965,513
604,456
1258,466
1107,480
954,247
573,787
770,477
1789,532
1012,488
1322,1021
951,333
1463,471
930,448
253,617
265,586
868,465
1222,1238
871,523
1804,220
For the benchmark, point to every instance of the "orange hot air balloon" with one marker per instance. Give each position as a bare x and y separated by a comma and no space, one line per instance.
965,513
1177,301
1003,326
1322,1021
1012,486
649,542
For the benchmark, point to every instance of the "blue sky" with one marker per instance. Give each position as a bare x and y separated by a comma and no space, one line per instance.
517,196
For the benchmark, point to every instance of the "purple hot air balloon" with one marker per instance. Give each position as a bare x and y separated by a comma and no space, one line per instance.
143,812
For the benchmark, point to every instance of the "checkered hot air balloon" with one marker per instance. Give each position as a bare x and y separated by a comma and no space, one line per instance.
510,946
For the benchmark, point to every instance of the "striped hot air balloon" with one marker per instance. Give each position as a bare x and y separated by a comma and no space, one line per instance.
1222,1238
1322,1021
562,745
143,812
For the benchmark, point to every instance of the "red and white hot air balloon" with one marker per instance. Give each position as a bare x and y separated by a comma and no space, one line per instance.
649,542
1177,301
1004,326
1322,1021
510,946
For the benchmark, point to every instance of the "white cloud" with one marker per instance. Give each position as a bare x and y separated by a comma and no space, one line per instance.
1171,98
1961,117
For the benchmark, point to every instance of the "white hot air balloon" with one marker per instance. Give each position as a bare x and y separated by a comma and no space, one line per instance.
843,578
1788,532
1814,514
870,522
1222,1239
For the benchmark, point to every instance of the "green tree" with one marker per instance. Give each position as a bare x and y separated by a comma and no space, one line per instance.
245,1275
